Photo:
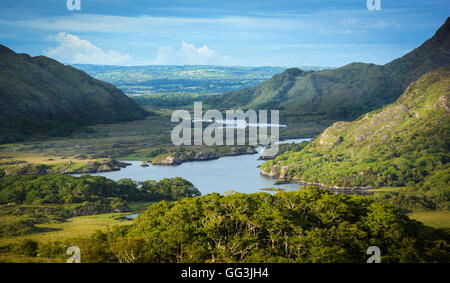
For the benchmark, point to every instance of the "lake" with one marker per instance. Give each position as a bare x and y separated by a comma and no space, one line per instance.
239,124
237,173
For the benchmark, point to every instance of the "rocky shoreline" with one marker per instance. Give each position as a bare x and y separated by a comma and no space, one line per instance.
283,179
109,166
267,156
24,168
177,158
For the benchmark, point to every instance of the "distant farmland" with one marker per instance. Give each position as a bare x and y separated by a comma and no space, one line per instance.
172,79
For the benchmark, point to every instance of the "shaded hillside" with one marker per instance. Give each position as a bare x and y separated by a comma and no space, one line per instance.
406,143
40,96
311,101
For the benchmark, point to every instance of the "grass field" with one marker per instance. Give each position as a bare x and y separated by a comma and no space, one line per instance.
139,206
108,140
81,226
134,140
437,219
74,227
13,258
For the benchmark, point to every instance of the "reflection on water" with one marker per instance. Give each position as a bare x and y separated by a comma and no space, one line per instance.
237,173
239,124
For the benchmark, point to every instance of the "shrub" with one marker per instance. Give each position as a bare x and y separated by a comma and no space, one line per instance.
52,249
26,247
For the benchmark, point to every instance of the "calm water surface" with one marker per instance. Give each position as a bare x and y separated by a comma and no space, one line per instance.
238,173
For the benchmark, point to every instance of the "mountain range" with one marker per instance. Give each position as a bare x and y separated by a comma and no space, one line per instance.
42,97
310,101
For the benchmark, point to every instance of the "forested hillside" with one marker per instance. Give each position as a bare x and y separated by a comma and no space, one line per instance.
402,144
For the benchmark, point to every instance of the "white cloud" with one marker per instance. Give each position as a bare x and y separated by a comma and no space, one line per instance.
349,22
188,54
74,50
116,24
381,24
358,26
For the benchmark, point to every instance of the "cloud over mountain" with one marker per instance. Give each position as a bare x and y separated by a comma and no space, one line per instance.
188,54
72,49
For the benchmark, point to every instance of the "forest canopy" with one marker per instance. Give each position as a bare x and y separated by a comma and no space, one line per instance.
65,189
309,225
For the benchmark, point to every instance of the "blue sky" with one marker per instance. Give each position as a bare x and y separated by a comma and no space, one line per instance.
226,32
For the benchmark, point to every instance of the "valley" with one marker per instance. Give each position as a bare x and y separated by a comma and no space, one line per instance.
139,80
363,160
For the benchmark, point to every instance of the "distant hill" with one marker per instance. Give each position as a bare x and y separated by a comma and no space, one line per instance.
40,97
311,101
406,143
138,80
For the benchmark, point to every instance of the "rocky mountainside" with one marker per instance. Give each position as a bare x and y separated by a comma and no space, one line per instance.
406,143
42,97
311,101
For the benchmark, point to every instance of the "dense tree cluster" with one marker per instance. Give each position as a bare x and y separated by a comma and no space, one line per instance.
291,147
309,225
65,189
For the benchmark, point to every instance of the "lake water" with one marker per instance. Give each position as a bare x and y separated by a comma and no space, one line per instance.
239,124
237,173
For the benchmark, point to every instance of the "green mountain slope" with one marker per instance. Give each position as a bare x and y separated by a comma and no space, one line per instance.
311,101
402,144
40,96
